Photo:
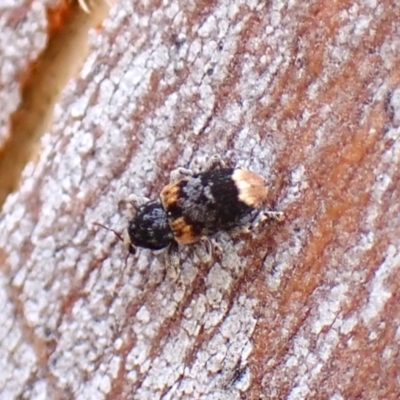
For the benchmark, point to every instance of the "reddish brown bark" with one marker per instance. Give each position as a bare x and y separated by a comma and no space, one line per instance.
307,95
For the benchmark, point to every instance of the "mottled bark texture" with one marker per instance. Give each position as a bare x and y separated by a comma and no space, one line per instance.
306,94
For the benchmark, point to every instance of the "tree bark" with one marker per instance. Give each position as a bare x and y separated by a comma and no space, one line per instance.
307,94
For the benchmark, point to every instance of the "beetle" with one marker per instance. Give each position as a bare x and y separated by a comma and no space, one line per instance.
195,206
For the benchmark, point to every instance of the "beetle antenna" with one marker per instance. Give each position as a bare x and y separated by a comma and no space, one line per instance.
117,234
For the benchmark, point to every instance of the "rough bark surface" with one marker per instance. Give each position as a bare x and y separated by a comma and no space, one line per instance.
23,37
306,94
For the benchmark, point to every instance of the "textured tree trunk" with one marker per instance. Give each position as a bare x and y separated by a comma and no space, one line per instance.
307,94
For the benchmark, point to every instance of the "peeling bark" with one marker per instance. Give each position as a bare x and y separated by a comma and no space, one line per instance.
307,95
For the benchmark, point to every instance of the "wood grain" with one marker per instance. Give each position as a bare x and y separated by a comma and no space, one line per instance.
307,94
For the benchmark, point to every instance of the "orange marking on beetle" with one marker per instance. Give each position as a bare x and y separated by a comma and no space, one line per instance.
183,232
251,186
169,195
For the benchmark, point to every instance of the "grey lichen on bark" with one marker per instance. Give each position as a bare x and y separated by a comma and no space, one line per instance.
305,95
